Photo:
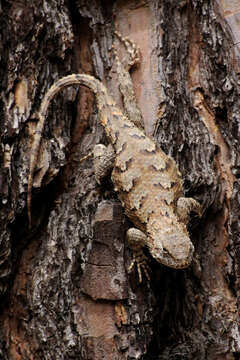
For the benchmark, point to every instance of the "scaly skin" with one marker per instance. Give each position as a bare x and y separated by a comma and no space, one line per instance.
147,181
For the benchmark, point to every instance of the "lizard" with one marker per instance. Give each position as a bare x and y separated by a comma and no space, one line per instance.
147,181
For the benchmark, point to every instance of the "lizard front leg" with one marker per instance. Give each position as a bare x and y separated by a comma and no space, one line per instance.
187,205
122,68
137,240
103,160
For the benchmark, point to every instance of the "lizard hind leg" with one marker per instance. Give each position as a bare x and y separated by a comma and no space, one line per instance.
103,160
133,53
122,68
137,240
187,205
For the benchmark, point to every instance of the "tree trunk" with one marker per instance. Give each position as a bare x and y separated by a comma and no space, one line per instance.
66,292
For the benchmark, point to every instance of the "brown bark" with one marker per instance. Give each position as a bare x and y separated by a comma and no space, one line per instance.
65,289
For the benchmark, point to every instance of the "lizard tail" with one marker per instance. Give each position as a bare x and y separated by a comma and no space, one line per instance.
33,162
83,79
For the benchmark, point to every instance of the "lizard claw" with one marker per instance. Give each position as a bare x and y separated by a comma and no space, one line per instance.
137,240
142,265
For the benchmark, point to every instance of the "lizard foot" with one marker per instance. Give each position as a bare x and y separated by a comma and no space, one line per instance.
136,240
141,262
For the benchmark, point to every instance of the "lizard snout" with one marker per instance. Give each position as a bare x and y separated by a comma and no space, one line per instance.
174,250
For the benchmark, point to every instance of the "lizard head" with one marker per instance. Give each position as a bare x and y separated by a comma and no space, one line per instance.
171,246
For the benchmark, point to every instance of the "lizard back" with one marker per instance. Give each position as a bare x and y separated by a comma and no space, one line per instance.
147,180
143,175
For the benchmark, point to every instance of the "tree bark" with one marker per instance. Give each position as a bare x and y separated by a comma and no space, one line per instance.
65,289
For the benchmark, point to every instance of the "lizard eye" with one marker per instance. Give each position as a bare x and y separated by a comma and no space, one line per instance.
166,253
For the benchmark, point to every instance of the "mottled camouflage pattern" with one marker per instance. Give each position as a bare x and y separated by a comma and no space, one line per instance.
148,182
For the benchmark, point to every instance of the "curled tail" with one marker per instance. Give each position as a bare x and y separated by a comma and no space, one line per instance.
82,79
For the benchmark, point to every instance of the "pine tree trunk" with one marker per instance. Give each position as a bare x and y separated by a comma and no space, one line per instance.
66,292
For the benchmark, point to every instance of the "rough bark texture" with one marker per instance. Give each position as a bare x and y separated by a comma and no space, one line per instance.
65,290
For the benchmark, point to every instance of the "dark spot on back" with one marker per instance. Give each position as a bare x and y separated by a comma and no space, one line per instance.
127,126
143,198
172,184
135,181
159,185
136,136
153,167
